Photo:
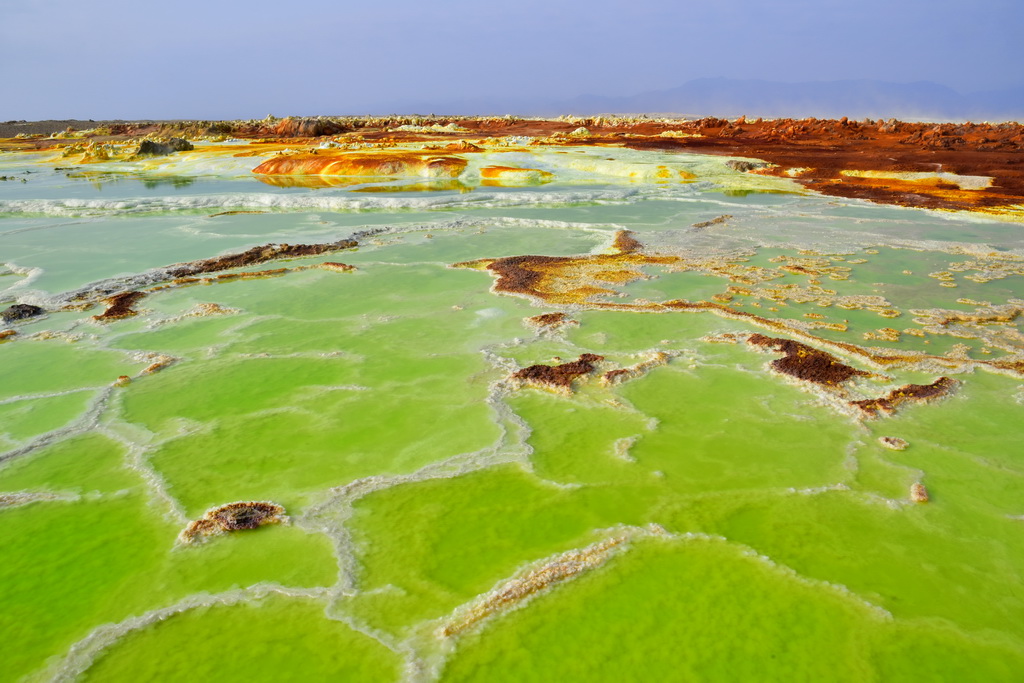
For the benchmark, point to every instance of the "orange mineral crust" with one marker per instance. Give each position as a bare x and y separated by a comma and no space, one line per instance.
390,163
550,321
510,175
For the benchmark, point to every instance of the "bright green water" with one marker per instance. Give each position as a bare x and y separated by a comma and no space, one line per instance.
372,406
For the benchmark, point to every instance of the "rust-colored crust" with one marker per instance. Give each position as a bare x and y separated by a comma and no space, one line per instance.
806,363
626,243
120,306
551,321
576,280
558,376
262,254
943,386
233,517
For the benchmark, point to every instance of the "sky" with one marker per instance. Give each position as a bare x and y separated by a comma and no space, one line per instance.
224,59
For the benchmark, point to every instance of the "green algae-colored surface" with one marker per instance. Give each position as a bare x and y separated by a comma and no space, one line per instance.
702,517
247,642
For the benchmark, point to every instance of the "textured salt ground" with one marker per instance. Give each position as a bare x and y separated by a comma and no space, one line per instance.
471,533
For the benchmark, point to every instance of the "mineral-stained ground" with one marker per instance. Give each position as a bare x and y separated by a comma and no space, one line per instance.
607,399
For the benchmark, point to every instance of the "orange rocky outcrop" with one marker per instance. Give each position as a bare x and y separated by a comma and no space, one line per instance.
391,163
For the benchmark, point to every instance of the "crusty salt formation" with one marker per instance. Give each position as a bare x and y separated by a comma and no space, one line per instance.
120,306
918,493
387,163
337,267
558,376
256,255
806,363
636,370
550,321
518,590
233,517
893,442
943,386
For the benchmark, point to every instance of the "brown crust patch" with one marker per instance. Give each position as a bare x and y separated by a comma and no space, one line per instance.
558,376
7,334
337,267
805,362
625,243
714,221
551,321
233,517
120,306
618,375
261,254
917,393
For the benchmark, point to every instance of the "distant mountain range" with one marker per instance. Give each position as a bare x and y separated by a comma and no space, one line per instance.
726,97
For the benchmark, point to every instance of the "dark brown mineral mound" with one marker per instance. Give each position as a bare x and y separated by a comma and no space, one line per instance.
943,386
806,363
558,376
262,254
120,306
233,517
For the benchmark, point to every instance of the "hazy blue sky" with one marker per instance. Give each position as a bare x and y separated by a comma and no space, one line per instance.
210,59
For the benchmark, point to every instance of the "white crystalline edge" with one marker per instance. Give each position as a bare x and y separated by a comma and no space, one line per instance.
432,630
83,653
305,202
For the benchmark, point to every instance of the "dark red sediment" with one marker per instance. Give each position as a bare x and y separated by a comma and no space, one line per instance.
551,320
823,148
558,376
805,362
120,306
943,386
261,254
